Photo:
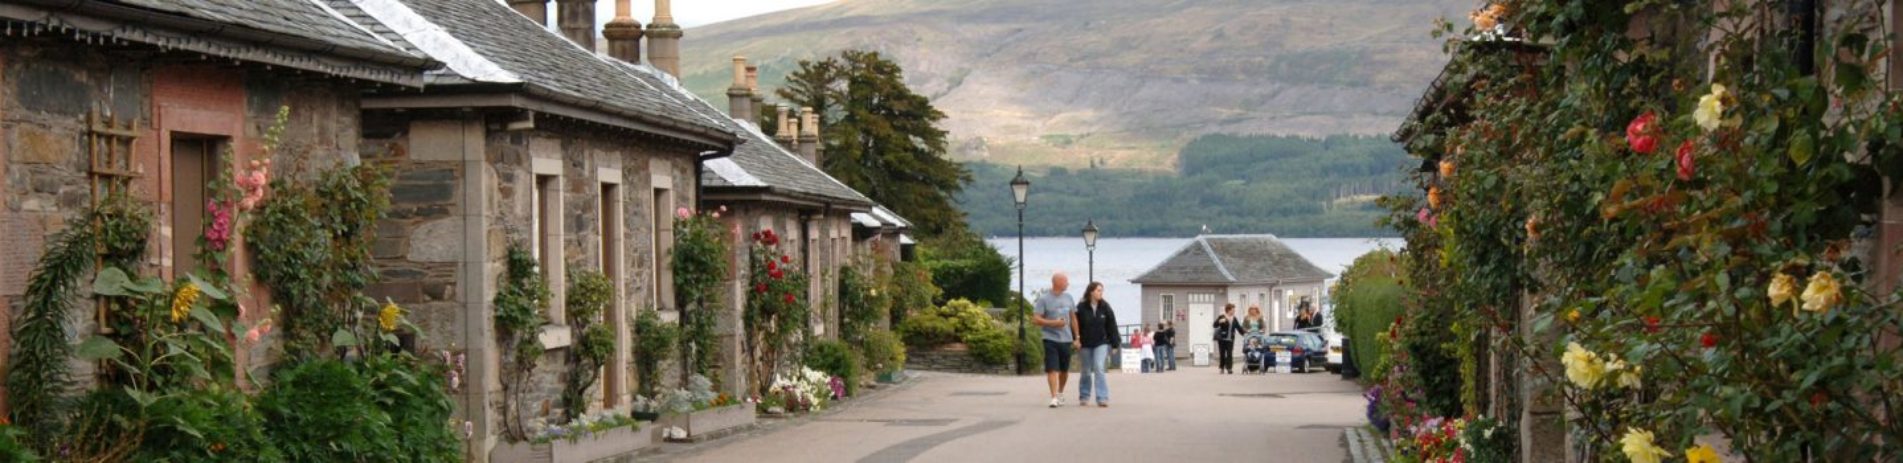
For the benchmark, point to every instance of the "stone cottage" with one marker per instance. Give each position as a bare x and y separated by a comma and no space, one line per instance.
145,97
1192,286
530,139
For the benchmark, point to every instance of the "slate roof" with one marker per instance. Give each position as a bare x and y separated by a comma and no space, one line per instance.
1233,259
485,42
302,18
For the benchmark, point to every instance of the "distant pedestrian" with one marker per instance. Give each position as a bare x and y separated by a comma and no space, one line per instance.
1165,346
1097,336
1227,327
1053,314
1140,340
1306,317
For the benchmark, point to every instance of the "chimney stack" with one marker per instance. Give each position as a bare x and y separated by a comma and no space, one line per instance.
577,21
664,40
623,34
785,135
739,99
809,135
753,89
536,10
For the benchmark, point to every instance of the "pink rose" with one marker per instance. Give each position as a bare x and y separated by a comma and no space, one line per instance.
683,213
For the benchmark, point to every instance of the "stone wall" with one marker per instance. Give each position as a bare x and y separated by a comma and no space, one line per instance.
953,359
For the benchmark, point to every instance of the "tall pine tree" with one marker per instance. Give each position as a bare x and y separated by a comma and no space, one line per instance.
881,138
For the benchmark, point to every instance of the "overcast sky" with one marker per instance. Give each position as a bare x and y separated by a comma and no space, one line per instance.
690,13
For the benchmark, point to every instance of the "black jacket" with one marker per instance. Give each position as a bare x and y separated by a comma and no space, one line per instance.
1226,330
1166,337
1097,327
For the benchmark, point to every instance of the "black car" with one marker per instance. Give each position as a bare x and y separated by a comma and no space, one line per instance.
1306,350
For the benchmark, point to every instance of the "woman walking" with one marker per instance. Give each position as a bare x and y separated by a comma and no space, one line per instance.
1097,337
1253,324
1227,327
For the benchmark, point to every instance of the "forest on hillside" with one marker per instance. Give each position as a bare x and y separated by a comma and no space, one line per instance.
1287,185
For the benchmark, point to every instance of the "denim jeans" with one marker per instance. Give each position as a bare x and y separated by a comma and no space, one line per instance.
1094,358
1165,358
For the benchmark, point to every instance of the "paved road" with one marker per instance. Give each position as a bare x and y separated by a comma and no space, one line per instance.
1188,415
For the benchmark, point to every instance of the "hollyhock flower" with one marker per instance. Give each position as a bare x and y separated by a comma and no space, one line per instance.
1711,109
1639,133
218,233
1685,167
182,301
1822,293
1783,288
258,332
1709,340
1701,454
1639,447
683,213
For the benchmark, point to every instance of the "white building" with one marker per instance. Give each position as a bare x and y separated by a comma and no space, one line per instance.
1192,286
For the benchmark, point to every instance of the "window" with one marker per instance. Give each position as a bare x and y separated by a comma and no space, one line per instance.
195,164
611,264
546,239
1168,301
1202,297
663,245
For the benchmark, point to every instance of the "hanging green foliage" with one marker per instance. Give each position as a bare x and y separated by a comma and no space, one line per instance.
700,262
520,303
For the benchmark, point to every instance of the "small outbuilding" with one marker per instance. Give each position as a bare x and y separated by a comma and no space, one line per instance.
1192,286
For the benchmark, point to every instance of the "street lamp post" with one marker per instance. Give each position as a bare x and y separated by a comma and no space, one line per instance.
1019,189
1090,244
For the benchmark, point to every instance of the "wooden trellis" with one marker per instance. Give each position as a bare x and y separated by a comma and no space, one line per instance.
111,171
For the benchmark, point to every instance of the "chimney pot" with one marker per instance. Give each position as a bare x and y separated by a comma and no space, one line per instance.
785,132
577,21
536,10
809,136
664,40
739,98
623,34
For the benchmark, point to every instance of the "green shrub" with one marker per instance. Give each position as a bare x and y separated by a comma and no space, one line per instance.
654,341
215,423
420,409
993,347
1033,343
11,449
884,352
912,290
323,410
837,359
1368,299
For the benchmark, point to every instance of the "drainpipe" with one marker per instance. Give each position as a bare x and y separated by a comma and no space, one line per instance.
1803,15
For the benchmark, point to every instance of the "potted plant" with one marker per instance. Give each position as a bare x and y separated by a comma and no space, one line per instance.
646,409
587,438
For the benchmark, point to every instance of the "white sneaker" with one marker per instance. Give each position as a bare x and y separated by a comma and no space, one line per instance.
1056,401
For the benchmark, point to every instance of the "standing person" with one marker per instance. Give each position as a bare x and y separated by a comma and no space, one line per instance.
1052,313
1227,327
1096,326
1254,324
1306,319
1165,346
1140,340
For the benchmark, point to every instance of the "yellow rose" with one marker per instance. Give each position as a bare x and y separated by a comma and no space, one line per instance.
1711,109
1823,293
1583,367
1639,448
388,317
1629,379
1783,288
1573,316
1701,454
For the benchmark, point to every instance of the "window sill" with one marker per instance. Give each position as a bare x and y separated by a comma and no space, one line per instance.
555,336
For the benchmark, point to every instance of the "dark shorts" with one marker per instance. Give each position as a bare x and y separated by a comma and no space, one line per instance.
1056,356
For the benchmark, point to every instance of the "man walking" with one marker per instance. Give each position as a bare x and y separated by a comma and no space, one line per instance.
1052,313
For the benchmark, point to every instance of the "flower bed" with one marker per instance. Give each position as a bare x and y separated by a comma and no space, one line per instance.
701,423
616,441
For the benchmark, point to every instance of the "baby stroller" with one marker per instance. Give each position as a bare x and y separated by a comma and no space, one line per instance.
1257,356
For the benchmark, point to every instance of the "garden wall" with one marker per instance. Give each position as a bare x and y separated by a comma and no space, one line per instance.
953,359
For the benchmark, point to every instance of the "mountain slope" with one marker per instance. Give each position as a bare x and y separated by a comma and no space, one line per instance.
1128,82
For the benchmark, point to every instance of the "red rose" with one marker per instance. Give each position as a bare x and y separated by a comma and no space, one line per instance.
1818,398
789,298
1639,136
1709,340
756,236
1651,324
760,288
775,273
772,266
786,259
1685,167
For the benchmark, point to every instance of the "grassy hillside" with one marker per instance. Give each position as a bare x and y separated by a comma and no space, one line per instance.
1124,82
1290,186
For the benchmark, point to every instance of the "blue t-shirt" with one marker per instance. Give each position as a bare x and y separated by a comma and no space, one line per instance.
1056,307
